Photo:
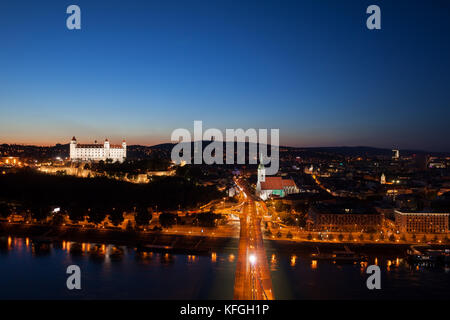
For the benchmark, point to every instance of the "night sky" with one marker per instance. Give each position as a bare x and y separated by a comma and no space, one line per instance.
140,69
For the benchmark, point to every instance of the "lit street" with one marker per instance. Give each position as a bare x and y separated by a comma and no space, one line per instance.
252,280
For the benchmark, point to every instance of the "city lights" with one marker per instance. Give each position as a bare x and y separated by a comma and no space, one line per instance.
318,167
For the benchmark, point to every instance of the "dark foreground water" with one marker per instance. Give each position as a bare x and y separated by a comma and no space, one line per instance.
38,271
297,277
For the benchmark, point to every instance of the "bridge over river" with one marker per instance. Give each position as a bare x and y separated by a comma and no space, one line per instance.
252,279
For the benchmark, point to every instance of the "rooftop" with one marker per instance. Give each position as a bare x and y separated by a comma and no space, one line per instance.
421,212
276,183
344,208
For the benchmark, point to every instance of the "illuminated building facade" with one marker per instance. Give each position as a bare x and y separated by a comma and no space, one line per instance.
422,222
10,161
97,152
341,218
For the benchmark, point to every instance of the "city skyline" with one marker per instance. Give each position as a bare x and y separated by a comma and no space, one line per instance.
140,70
214,157
101,140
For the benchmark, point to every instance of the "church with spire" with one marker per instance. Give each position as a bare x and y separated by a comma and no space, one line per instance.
267,187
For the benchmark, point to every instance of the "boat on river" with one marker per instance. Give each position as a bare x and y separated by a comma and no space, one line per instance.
339,256
418,254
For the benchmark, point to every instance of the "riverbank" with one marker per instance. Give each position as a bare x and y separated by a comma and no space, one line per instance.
186,243
302,248
145,240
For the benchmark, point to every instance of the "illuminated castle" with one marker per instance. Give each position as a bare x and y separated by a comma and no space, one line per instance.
97,152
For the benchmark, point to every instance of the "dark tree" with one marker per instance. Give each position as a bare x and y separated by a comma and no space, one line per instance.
37,192
97,215
142,216
129,226
58,219
116,215
39,212
5,211
77,213
167,219
190,172
207,219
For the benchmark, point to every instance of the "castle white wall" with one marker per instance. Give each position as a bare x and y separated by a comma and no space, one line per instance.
97,153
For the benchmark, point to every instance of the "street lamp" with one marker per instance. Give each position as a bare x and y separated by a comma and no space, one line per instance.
252,259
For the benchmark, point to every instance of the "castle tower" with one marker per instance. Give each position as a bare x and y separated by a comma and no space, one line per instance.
124,146
106,146
73,146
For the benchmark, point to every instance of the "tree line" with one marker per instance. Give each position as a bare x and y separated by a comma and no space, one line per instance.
37,193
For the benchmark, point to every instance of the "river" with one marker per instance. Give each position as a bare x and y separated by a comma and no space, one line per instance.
38,271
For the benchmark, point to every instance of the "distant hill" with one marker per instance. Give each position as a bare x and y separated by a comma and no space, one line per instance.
164,150
361,150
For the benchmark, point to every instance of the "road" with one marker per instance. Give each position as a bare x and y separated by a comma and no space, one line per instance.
252,279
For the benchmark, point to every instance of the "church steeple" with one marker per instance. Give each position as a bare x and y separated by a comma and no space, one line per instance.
261,170
383,179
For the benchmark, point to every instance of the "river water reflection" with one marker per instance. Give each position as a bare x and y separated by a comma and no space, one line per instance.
300,277
37,270
30,270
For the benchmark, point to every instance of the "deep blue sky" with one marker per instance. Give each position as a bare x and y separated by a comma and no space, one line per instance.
139,69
